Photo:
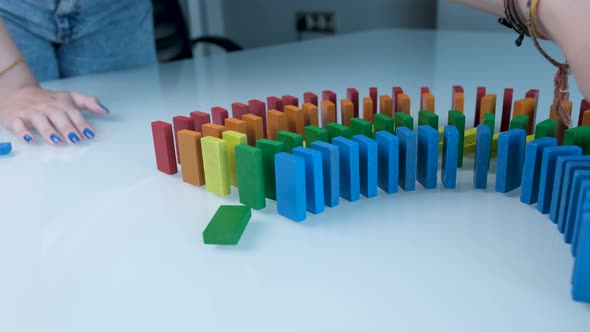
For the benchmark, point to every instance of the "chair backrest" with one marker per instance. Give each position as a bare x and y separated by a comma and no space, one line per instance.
171,32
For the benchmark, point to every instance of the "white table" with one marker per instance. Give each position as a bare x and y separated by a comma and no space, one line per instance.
94,238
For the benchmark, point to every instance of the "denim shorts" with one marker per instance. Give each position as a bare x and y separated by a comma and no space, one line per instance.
66,38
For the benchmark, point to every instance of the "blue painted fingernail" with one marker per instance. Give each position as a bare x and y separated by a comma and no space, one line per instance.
74,138
104,108
88,133
55,139
28,138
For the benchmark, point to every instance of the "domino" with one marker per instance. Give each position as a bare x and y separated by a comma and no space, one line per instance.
428,118
213,130
352,94
585,118
579,136
310,113
488,106
255,127
227,225
482,156
233,139
291,140
331,96
314,179
489,119
250,176
269,149
346,112
313,133
520,122
428,102
192,171
526,107
481,92
359,126
403,104
367,165
373,93
565,166
349,168
310,98
581,273
328,113
458,98
368,109
291,186
403,120
506,109
238,110
457,119
584,106
383,122
200,119
274,103
180,123
236,125
387,161
510,160
277,121
330,171
449,157
385,105
427,156
549,159
295,119
546,128
215,165
529,191
290,100
395,91
219,115
580,185
258,108
335,130
407,158
163,147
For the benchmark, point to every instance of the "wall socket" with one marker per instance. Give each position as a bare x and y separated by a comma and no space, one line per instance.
319,22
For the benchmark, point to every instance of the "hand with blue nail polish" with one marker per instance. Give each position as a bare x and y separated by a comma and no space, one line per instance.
55,115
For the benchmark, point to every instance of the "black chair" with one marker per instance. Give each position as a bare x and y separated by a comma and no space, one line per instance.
173,40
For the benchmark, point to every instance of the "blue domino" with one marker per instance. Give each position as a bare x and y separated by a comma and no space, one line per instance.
349,168
581,273
407,158
578,187
331,171
387,161
547,177
314,178
510,160
529,191
483,143
290,182
565,167
427,156
367,165
5,148
449,158
583,194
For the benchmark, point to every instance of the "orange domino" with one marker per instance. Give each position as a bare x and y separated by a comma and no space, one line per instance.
386,105
276,121
368,109
295,119
255,128
527,107
328,113
488,105
568,106
586,118
236,125
459,102
212,129
189,145
403,103
346,111
310,112
428,102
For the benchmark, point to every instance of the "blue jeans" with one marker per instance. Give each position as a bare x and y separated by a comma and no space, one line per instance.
66,38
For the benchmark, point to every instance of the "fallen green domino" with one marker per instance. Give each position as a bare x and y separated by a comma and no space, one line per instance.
227,225
315,133
250,174
269,149
546,128
457,119
404,120
291,140
579,136
360,126
384,122
428,118
335,130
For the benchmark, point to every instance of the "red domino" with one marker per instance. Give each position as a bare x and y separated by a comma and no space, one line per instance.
353,95
290,100
258,108
331,96
506,109
481,92
238,110
164,147
310,97
584,106
200,118
373,94
274,103
219,114
181,122
396,90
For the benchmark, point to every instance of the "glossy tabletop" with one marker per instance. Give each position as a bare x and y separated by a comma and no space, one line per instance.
94,238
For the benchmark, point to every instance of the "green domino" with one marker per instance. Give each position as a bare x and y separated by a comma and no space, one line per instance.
428,118
384,122
404,120
291,140
315,133
579,136
457,119
546,128
360,126
520,122
335,129
250,173
489,119
227,225
269,148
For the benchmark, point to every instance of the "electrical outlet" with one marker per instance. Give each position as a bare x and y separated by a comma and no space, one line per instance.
320,22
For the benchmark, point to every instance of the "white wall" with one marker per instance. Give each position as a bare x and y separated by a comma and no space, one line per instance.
254,23
451,16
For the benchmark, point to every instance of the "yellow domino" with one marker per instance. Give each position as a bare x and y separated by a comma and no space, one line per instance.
494,150
470,136
233,138
215,165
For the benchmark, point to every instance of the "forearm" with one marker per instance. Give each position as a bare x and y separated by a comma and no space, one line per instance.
20,75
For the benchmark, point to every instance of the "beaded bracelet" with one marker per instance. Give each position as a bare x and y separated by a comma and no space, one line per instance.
14,64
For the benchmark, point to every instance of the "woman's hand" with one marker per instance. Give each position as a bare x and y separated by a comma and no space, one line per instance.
56,116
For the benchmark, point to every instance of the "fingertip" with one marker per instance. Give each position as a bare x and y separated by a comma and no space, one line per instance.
103,107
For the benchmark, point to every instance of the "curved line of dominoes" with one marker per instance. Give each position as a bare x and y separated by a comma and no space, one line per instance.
305,160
